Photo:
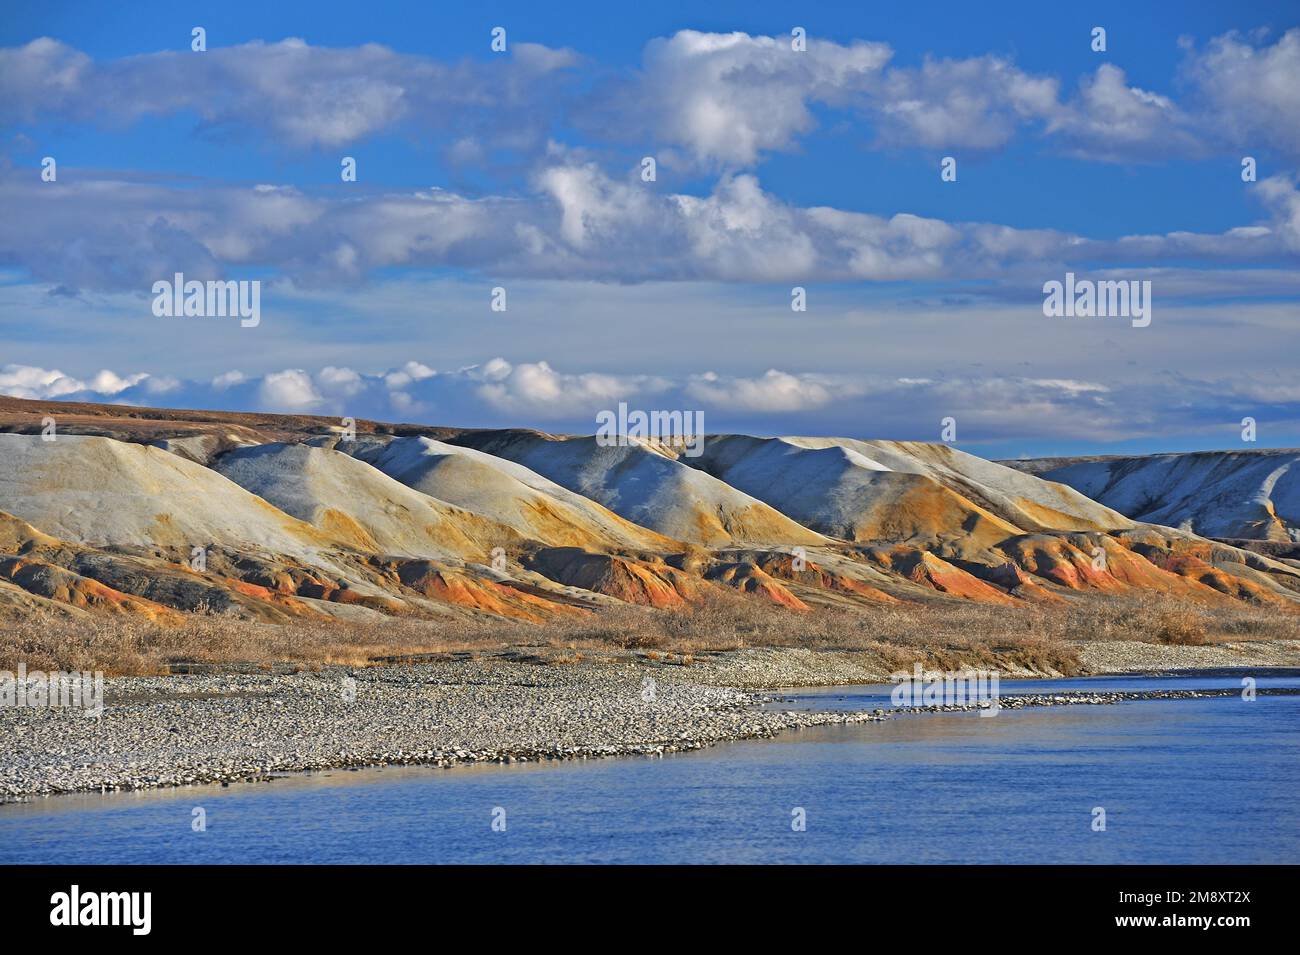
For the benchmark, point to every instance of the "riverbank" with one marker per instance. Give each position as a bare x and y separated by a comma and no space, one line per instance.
1131,656
518,706
169,731
762,668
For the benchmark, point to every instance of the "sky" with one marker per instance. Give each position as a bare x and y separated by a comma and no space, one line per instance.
793,148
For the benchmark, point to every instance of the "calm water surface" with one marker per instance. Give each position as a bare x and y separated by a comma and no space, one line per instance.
1182,781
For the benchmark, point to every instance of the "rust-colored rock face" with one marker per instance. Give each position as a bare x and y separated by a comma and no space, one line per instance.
934,573
808,573
751,579
66,587
462,590
156,514
632,581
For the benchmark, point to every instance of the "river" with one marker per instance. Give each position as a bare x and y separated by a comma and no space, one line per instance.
1180,781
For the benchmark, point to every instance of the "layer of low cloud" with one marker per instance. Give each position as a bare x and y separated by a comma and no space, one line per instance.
579,223
498,393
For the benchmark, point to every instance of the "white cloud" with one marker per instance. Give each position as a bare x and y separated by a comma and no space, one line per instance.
290,390
410,372
976,103
1069,385
112,234
1249,95
1111,120
536,388
228,378
109,383
534,394
716,100
299,94
339,382
773,391
727,98
1283,200
590,203
25,381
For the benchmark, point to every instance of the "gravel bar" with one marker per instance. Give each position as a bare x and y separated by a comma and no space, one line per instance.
180,730
210,728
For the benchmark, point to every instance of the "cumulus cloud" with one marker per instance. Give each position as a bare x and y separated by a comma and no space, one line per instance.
302,95
1111,120
1282,197
583,224
291,390
978,103
538,389
228,378
343,382
25,381
774,391
592,207
498,393
410,372
728,98
1248,93
717,100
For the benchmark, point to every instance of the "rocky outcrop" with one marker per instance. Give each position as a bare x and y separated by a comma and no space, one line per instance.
283,519
632,581
934,573
751,579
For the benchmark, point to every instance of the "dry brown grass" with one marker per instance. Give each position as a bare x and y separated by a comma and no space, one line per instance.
120,646
1158,619
947,635
1181,627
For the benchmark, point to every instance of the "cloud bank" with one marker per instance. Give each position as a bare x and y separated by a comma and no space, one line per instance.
580,223
498,393
718,99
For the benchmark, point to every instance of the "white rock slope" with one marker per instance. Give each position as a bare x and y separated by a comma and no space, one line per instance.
101,491
895,490
1234,494
534,506
648,486
360,505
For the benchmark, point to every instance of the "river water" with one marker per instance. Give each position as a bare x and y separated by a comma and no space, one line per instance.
1181,781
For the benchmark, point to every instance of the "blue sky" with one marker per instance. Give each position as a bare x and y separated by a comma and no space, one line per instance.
776,168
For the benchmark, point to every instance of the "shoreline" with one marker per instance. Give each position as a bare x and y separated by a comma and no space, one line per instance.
224,728
159,732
